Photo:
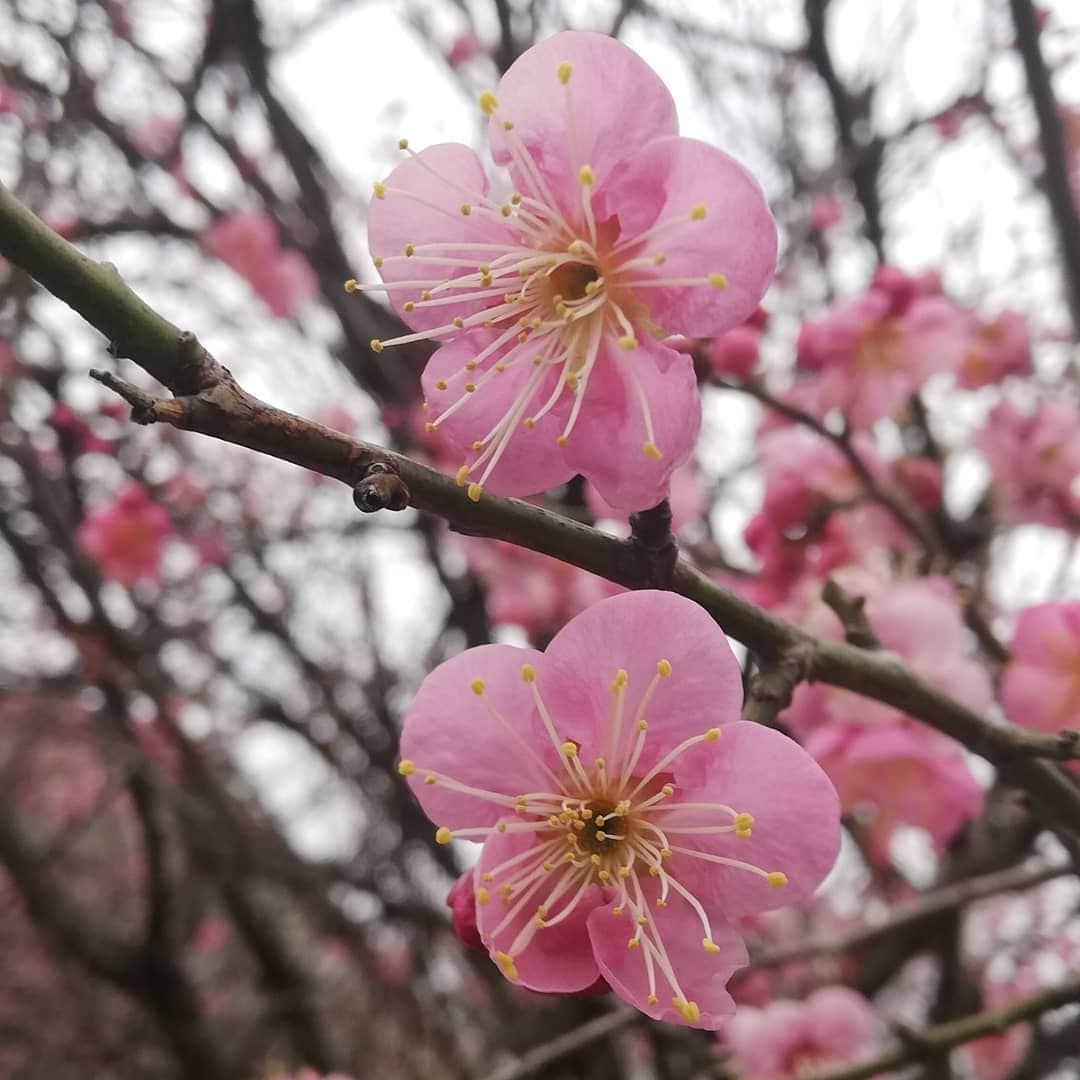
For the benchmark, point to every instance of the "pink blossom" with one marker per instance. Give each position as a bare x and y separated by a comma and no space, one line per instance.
552,305
248,242
591,773
833,1026
1040,687
1035,461
463,48
126,538
687,497
736,352
998,347
872,352
71,426
922,481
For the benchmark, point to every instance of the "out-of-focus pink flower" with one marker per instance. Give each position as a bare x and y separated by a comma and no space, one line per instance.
1040,687
127,537
996,1057
787,1039
687,498
530,590
463,48
70,425
592,772
872,352
461,900
922,480
10,100
553,306
825,212
736,352
248,242
998,347
211,935
1035,461
157,136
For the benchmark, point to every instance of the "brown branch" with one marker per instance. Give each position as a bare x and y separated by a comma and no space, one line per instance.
212,403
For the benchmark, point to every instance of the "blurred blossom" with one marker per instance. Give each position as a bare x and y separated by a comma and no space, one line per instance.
126,538
785,1040
736,352
554,363
590,776
998,347
463,48
825,212
248,242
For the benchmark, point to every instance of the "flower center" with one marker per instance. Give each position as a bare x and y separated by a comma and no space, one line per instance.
571,280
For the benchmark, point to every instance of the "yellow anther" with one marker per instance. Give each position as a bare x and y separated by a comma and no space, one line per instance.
459,322
430,780
441,384
633,943
710,946
409,250
654,871
508,125
569,749
378,261
380,190
652,999
628,342
622,807
712,734
425,295
501,827
505,960
620,680
350,285
659,259
516,198
554,821
470,388
697,213
471,365
528,673
667,789
586,813
477,686
586,177
661,903
485,280
642,921
540,924
717,281
624,872
777,879
743,834
462,475
443,835
505,209
488,104
489,878
687,1009
466,209
523,337
474,492
599,763
572,382
663,668
652,451
604,875
642,725
403,144
616,911
561,440
529,423
408,305
406,768
665,853
743,821
594,859
376,345
564,71
576,247
482,895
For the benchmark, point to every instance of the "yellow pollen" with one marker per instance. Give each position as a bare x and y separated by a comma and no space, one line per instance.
569,749
376,345
470,388
561,440
777,879
665,853
441,384
620,680
443,835
663,668
659,259
477,686
628,342
591,288
687,1009
586,177
406,768
459,322
652,999
409,249
430,780
380,190
661,903
697,213
576,247
462,475
712,734
485,280
408,305
604,875
540,924
642,725
478,446
474,491
667,789
572,382
743,821
482,895
403,144
466,209
505,209
507,126
599,763
642,921
528,673
624,872
529,422
425,295
505,960
350,285
378,261
488,104
516,198
710,946
632,943
489,878
652,451
743,834
501,827
564,71
617,911
471,365
718,281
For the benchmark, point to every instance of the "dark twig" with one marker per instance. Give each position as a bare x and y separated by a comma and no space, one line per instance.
850,611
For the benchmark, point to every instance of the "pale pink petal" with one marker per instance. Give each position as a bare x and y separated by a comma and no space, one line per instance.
450,730
737,238
633,631
557,958
796,812
608,441
702,976
611,106
531,461
443,176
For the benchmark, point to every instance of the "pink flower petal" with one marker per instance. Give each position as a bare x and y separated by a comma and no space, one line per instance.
608,441
737,238
796,819
614,101
444,177
633,631
449,729
558,958
702,976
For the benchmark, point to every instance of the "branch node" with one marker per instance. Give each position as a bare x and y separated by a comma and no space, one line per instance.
849,610
143,405
650,535
380,488
772,687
